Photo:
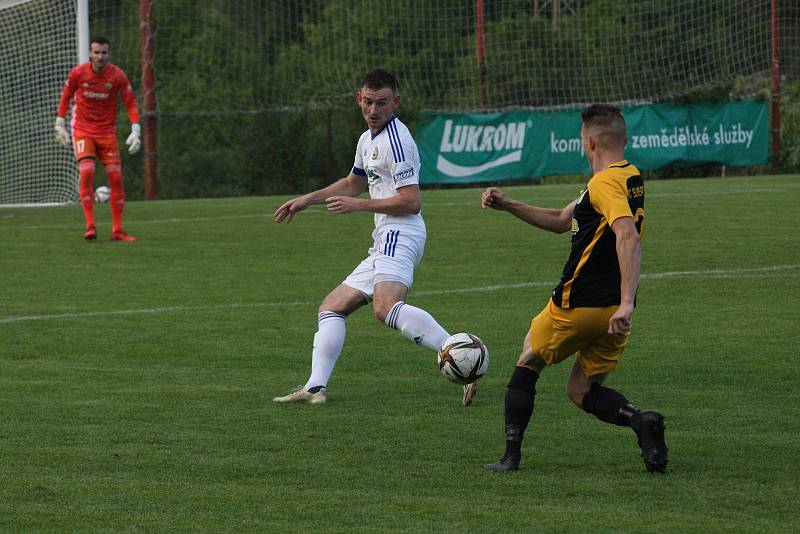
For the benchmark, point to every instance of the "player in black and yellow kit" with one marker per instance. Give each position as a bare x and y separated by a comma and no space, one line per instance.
589,312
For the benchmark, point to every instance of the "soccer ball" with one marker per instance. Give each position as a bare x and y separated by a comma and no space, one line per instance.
102,194
463,358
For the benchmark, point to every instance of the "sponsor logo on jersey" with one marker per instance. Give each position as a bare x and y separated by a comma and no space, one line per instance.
636,192
372,177
402,175
375,153
97,96
109,85
574,228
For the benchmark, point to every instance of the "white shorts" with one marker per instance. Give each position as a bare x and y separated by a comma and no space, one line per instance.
391,258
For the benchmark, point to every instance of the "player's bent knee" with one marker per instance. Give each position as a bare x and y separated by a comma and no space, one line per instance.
576,393
383,307
326,307
534,363
343,307
381,312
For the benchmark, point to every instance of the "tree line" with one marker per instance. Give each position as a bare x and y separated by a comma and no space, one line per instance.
258,98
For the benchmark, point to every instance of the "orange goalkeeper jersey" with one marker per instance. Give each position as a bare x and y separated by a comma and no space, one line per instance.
95,109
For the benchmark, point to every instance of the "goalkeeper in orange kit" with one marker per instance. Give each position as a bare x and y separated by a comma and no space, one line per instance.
96,86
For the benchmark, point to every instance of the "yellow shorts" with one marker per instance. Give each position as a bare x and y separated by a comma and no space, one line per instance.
558,333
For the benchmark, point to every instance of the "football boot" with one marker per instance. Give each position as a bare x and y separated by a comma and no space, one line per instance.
301,394
650,432
122,236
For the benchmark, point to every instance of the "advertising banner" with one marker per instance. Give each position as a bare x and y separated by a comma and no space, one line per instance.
464,148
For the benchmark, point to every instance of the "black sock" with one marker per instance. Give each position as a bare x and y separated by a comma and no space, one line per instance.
610,406
520,395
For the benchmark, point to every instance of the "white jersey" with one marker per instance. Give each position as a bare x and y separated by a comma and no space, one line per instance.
390,160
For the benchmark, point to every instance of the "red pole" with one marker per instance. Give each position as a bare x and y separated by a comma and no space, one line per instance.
150,107
479,50
776,91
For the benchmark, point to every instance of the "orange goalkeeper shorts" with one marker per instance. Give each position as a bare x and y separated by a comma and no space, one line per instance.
558,333
104,148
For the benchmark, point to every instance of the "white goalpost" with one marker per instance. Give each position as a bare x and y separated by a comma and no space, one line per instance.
41,41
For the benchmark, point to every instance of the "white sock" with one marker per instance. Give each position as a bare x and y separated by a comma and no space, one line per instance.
328,343
417,325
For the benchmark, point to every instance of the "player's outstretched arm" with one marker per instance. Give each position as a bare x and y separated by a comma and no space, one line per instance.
406,202
349,186
134,140
62,137
550,219
288,209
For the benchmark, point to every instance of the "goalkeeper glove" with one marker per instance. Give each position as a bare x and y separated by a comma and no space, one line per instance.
134,139
62,137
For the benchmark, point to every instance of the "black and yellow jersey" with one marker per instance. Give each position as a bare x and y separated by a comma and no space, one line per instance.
591,277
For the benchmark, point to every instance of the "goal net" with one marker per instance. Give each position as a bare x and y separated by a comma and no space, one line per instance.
38,43
248,90
252,55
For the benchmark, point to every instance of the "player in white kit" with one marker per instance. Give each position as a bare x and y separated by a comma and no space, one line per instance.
387,164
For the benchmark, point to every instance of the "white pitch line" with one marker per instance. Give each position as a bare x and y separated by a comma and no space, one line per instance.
320,210
722,272
479,289
166,309
159,221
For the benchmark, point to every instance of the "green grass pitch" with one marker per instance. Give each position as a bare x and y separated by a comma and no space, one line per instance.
136,379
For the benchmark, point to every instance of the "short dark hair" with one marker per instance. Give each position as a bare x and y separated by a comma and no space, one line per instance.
378,79
607,120
101,40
